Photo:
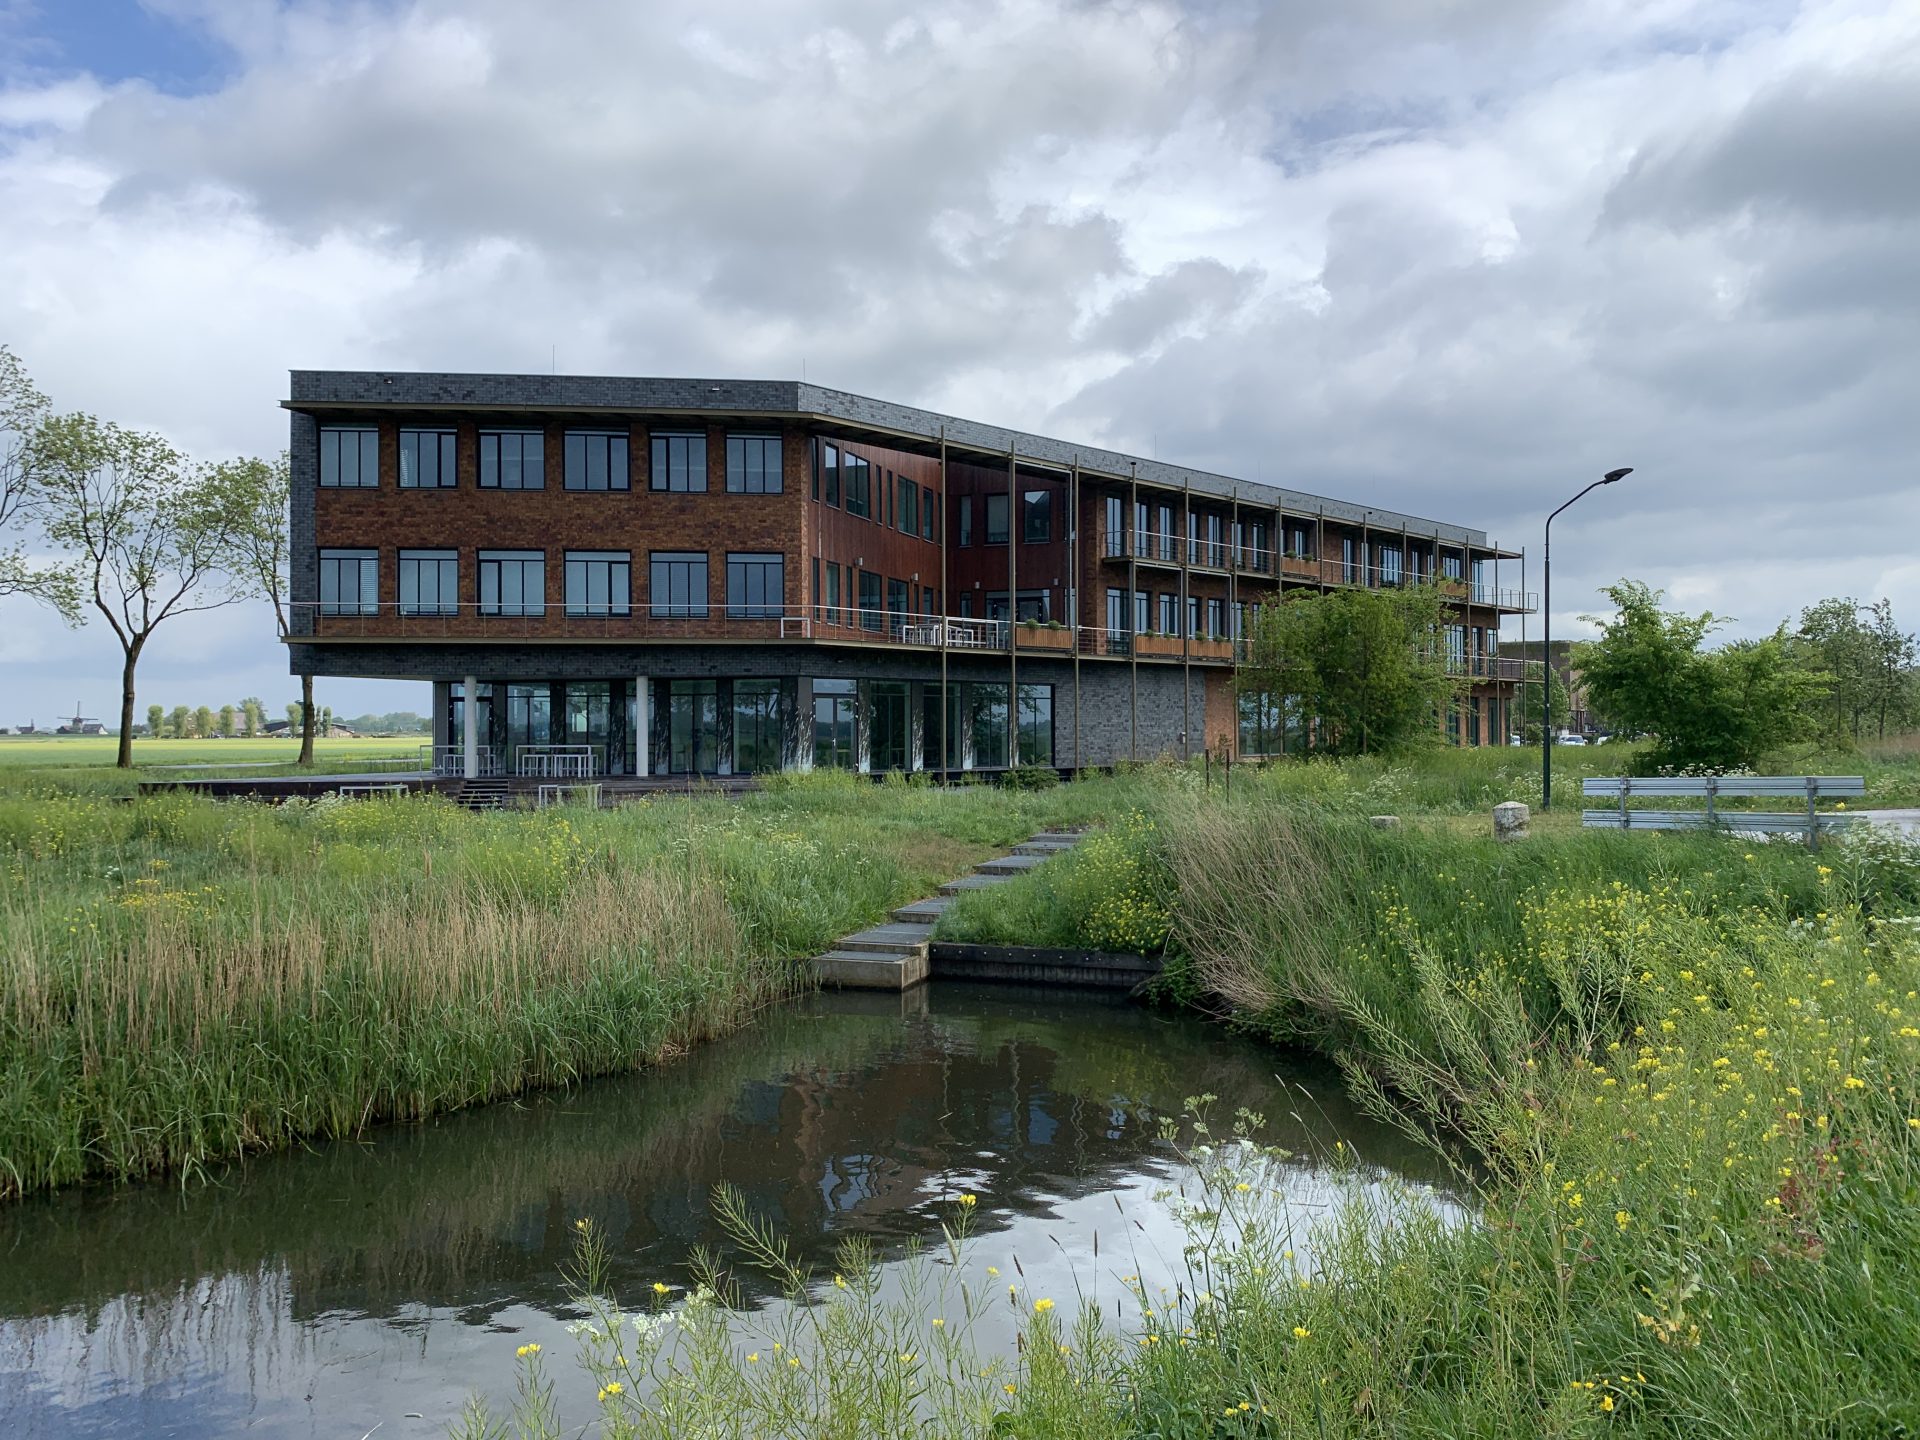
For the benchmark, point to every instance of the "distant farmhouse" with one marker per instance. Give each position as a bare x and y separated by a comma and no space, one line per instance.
80,725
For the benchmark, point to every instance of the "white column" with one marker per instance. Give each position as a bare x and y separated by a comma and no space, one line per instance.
643,727
470,726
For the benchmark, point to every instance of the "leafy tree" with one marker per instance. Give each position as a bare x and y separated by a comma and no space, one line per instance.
1833,645
1711,709
22,411
228,721
156,721
1526,713
202,722
253,713
295,714
149,536
263,487
179,721
1896,653
326,720
1365,669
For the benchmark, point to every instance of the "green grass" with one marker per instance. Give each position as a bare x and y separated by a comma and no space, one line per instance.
1680,1075
191,979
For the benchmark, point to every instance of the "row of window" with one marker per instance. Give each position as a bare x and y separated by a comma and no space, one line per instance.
514,583
870,492
1205,616
516,460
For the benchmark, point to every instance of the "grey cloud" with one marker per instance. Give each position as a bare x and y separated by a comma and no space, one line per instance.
1193,293
1823,144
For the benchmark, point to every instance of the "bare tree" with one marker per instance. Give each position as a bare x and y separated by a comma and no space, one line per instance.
151,539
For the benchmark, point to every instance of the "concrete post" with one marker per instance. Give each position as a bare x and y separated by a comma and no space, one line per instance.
1510,819
470,727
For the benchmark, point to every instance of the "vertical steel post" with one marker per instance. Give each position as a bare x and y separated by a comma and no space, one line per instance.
946,606
1127,612
1013,616
1074,596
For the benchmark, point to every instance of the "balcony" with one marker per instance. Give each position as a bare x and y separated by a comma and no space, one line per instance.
819,624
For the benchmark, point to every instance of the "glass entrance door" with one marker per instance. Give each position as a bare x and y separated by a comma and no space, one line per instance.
834,732
890,741
589,717
693,727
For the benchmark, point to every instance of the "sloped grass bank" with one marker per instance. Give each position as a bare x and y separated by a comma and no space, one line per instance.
187,980
1680,1072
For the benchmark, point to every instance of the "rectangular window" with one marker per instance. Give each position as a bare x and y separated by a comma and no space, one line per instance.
513,582
858,477
928,507
1390,558
1262,557
599,582
833,593
429,582
426,460
1169,614
1116,616
677,585
1348,569
897,606
753,465
1036,725
1193,617
870,600
1142,531
1116,527
1216,547
1260,729
1450,564
757,744
596,460
513,460
349,582
965,502
987,708
1036,517
909,509
756,586
1216,622
1142,612
996,519
349,457
886,498
1166,540
679,463
830,468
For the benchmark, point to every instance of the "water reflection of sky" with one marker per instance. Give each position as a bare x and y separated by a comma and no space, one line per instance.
383,1281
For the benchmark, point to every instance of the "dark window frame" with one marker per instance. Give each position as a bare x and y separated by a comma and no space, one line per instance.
366,457
747,472
365,563
618,565
442,560
445,452
584,451
493,452
681,563
677,462
490,565
748,572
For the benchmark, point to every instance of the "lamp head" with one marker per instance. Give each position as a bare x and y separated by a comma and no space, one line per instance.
1613,475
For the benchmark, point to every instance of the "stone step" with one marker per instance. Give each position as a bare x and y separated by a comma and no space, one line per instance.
1049,847
972,882
1009,865
923,912
865,970
1056,837
894,938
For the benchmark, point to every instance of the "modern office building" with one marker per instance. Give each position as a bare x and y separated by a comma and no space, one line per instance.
714,577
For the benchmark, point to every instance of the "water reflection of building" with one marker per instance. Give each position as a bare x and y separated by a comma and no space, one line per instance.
833,1121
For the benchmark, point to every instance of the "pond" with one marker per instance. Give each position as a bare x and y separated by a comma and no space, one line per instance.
380,1282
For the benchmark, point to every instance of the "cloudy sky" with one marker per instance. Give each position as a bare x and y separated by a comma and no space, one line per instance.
1449,256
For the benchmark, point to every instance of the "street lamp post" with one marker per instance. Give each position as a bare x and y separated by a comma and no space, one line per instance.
1546,642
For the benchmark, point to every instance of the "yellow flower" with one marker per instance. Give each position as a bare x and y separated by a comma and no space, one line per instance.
993,1270
610,1389
754,1358
969,1201
1300,1332
1606,1402
659,1288
525,1350
1008,1387
1854,1082
938,1323
1040,1307
839,1282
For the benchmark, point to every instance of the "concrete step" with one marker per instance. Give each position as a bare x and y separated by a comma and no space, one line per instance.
972,882
923,912
894,938
1039,847
1056,837
865,970
1009,865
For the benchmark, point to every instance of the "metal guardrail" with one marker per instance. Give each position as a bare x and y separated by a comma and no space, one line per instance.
1808,822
